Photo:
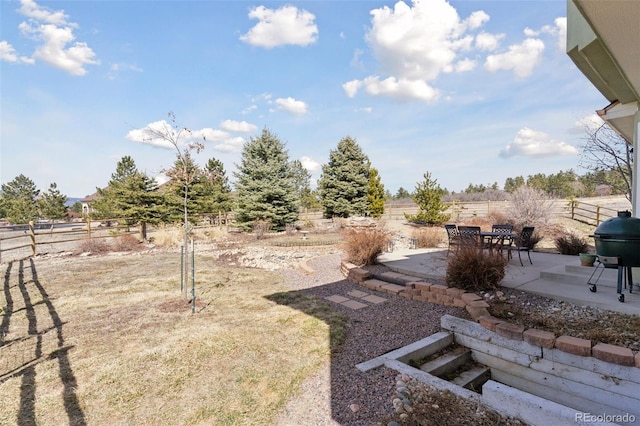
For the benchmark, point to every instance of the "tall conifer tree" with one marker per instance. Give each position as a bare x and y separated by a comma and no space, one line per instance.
375,193
344,181
264,182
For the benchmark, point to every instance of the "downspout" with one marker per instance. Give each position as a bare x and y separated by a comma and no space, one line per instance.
635,193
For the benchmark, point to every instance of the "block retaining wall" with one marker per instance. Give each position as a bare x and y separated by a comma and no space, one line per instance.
424,291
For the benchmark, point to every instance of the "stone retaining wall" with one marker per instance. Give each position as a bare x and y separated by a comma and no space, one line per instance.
478,309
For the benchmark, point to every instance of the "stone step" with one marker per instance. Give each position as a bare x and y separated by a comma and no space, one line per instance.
474,378
579,275
384,286
448,362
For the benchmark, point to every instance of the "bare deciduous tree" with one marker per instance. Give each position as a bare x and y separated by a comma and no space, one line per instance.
174,135
605,150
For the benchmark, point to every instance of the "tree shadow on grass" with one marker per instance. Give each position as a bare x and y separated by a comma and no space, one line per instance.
26,367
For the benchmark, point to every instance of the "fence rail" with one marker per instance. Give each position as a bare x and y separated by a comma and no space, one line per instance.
28,240
591,214
19,241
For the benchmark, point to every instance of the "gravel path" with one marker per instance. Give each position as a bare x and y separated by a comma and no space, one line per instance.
339,393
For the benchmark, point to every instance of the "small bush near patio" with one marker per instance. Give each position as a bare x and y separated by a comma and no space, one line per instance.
571,244
428,237
363,246
475,270
535,239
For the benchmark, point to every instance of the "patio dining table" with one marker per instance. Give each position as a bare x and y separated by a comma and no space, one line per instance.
495,240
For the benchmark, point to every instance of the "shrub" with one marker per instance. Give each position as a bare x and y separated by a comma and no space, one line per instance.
530,207
208,233
475,270
428,237
571,244
168,236
94,246
496,216
126,242
261,228
535,239
362,247
290,229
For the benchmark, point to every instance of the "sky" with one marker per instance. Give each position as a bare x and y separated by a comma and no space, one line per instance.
472,92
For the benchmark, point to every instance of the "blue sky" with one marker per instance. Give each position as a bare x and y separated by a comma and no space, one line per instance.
470,91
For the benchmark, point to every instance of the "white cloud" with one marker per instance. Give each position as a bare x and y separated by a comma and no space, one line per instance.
355,59
310,164
115,69
30,9
287,25
414,45
238,126
352,87
536,144
162,134
464,65
587,123
521,58
57,43
208,134
230,145
558,30
249,109
418,42
147,135
400,89
9,54
487,41
291,105
476,19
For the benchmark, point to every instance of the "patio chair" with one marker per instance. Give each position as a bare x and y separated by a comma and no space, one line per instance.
470,236
504,240
521,243
454,237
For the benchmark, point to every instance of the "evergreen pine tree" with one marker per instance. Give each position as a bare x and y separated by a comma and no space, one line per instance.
302,183
376,194
344,181
132,195
264,183
217,185
187,176
52,203
428,197
18,200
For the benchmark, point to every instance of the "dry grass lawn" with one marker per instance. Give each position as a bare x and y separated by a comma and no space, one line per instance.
108,340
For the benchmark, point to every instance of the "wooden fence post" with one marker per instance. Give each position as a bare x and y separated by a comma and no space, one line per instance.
597,215
32,236
573,209
88,228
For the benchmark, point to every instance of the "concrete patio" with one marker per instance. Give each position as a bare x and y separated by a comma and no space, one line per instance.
552,275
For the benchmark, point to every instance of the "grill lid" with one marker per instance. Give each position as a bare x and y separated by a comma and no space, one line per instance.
623,227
